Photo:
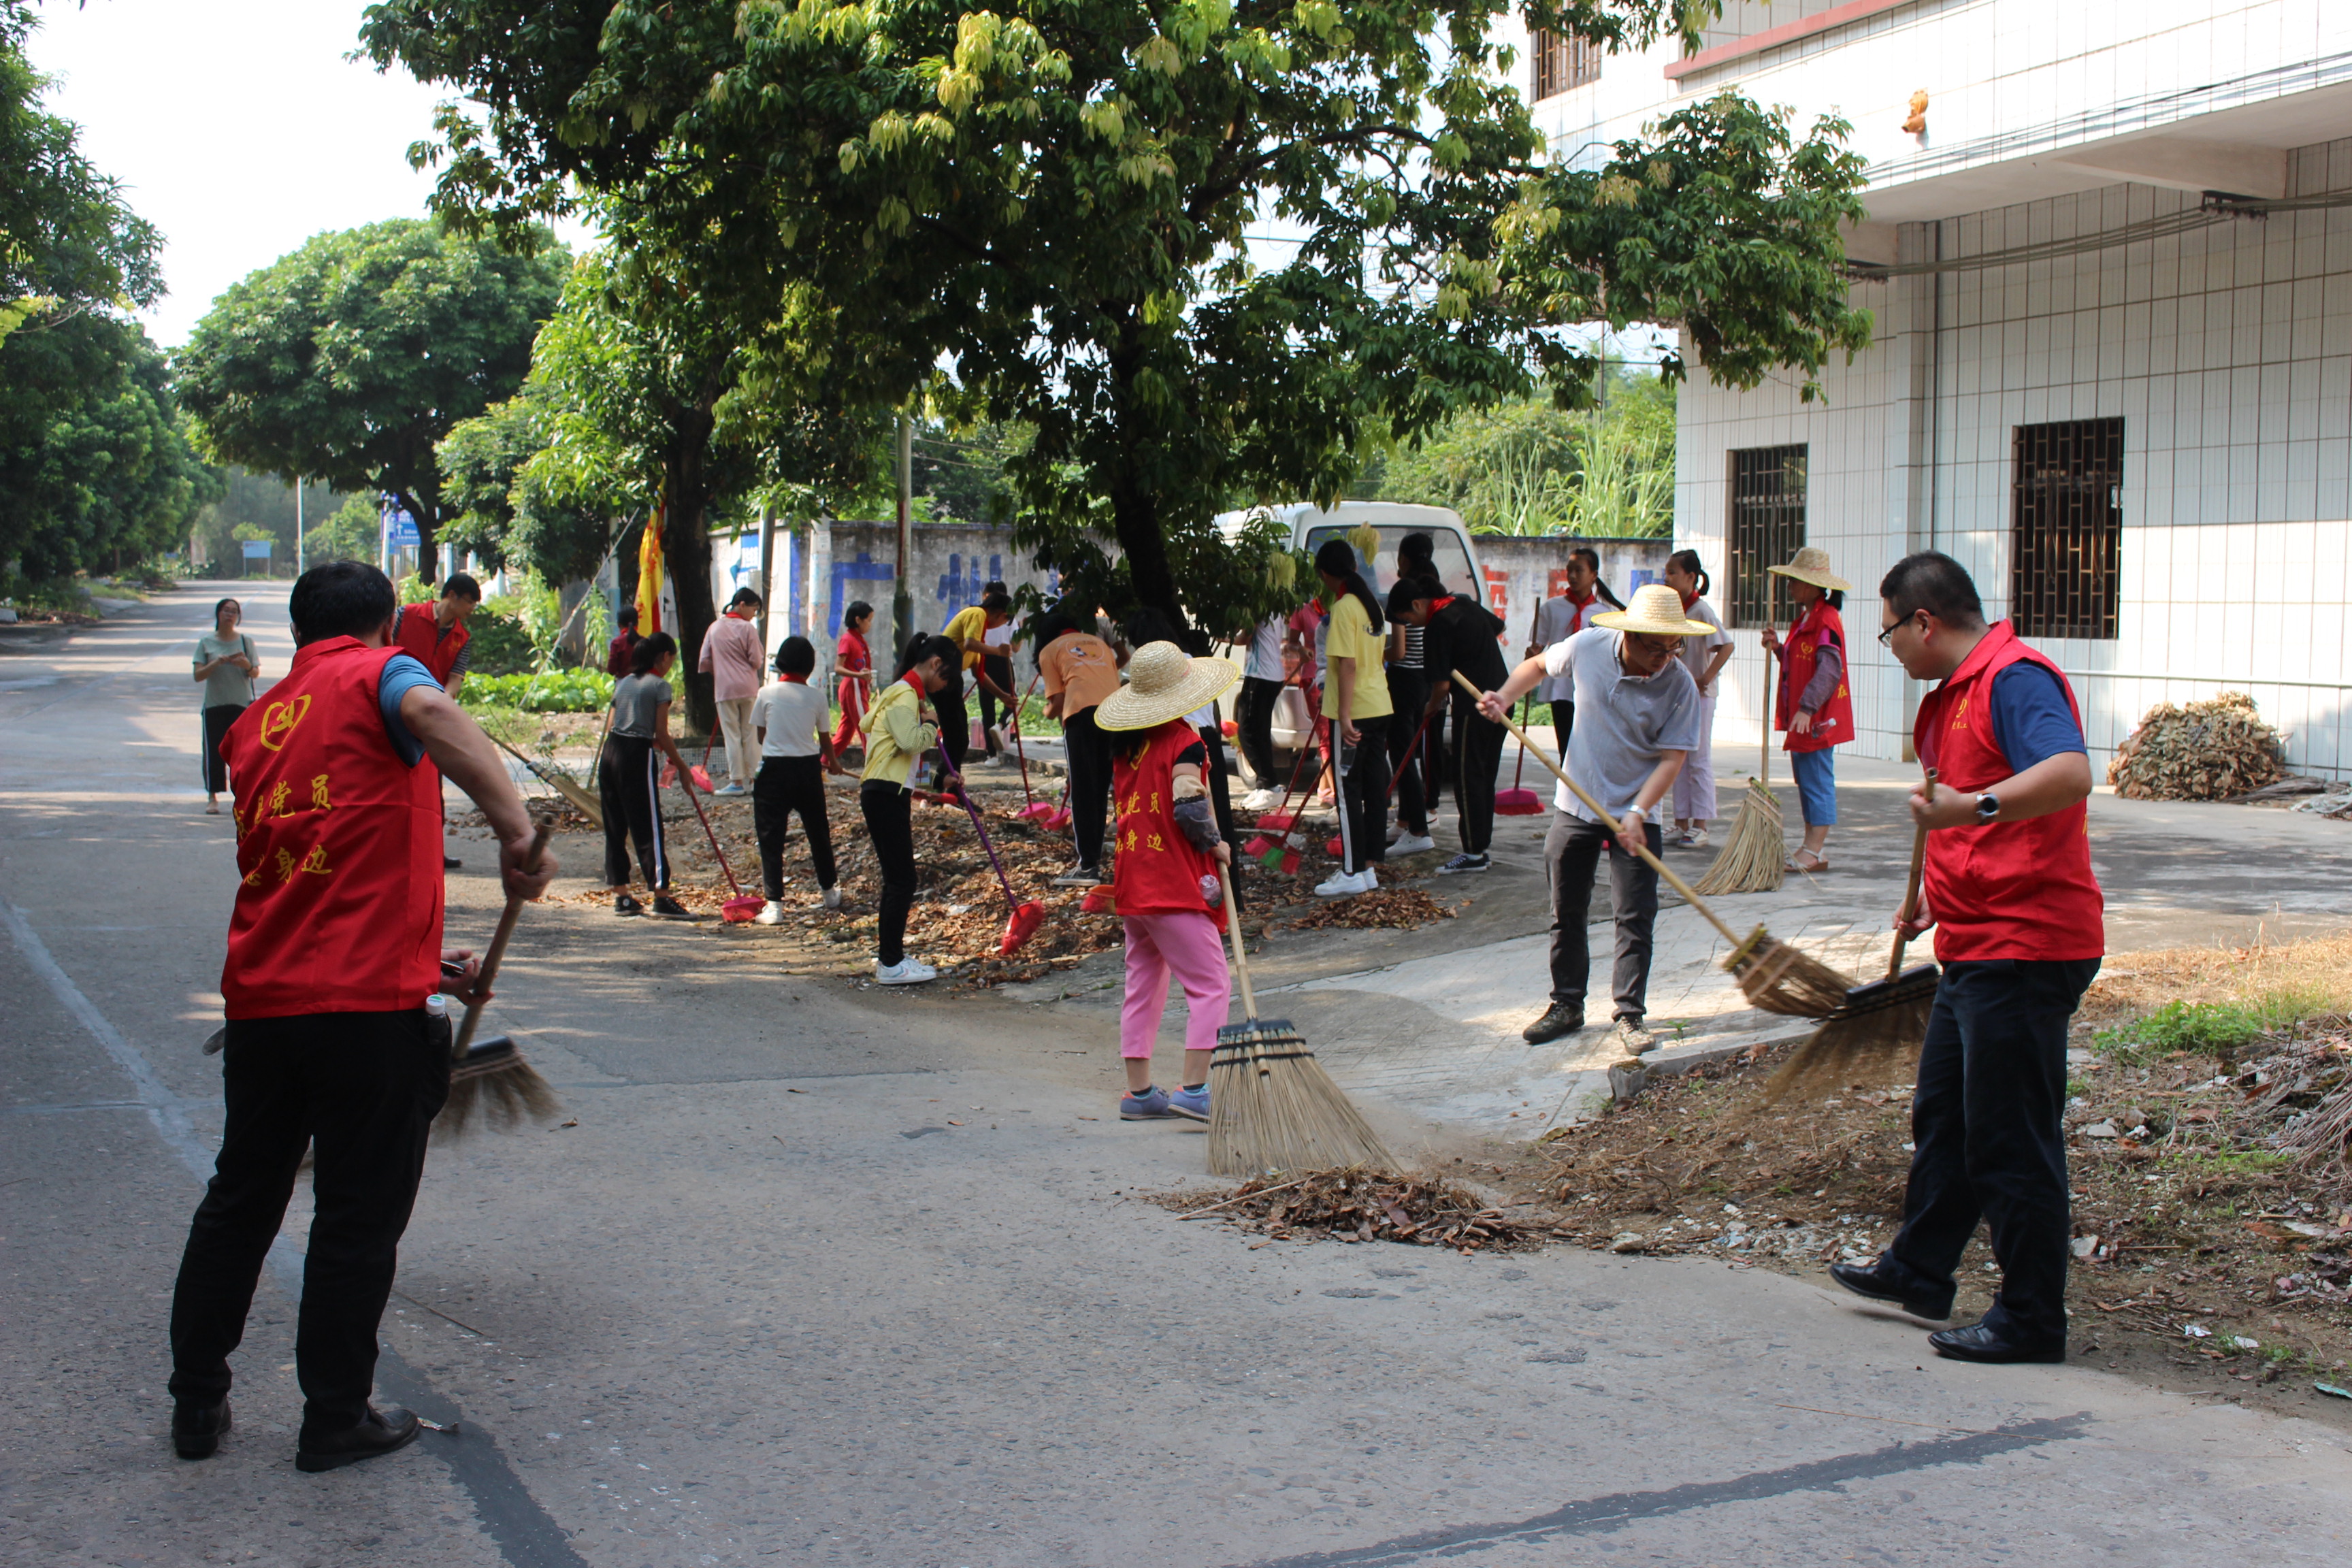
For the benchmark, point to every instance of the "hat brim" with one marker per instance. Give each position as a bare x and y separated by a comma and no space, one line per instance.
1626,621
1818,579
1127,708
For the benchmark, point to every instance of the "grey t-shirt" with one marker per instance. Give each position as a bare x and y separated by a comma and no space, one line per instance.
1623,721
636,704
227,686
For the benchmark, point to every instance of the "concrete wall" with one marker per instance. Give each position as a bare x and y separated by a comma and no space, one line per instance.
819,570
1523,572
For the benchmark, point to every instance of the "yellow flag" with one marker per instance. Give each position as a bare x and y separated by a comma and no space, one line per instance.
649,575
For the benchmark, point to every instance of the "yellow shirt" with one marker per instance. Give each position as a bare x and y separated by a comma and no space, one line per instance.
968,624
1351,636
896,735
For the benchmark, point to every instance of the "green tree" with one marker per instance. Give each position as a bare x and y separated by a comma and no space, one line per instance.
510,513
1055,197
354,532
351,358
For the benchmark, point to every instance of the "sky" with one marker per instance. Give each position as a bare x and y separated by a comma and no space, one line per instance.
235,126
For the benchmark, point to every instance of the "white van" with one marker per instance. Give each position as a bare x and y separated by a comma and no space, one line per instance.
1453,552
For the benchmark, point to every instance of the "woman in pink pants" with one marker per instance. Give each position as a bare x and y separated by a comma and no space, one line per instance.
1166,876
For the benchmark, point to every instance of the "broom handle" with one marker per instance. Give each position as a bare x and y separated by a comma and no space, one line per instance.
686,782
1910,893
1522,768
972,811
498,952
1660,866
1411,747
1027,799
1233,930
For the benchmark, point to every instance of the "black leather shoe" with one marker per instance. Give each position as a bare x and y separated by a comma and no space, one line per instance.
1977,1343
379,1432
451,863
196,1429
1881,1284
1558,1020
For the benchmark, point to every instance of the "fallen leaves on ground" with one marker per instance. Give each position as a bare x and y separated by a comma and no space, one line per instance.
1358,1206
1383,909
2207,751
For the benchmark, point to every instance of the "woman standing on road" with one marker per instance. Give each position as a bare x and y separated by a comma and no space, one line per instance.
630,780
1704,656
228,667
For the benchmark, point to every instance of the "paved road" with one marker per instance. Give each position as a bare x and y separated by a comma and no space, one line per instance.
825,1275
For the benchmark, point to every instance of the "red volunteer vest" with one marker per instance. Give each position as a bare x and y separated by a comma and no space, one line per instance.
339,843
1158,871
418,635
1834,725
2003,890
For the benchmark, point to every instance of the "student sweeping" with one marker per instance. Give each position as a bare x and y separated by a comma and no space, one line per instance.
731,657
1080,671
1811,703
998,639
629,781
1460,634
853,662
1560,618
1416,556
1356,705
1262,679
1705,658
899,729
1636,719
968,629
787,721
1165,881
2019,923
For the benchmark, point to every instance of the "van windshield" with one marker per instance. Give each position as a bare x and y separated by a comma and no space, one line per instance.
1453,563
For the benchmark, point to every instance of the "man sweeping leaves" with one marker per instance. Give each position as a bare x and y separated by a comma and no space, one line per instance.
2018,916
334,946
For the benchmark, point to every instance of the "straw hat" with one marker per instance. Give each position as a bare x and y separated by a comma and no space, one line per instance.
1811,565
1163,682
1657,611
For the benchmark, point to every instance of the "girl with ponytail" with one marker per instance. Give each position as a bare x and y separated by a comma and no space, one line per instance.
1357,706
1705,658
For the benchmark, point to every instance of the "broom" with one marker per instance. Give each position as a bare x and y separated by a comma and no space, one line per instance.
1032,808
1515,801
1023,919
744,906
1773,975
587,804
1276,854
1756,857
491,1081
1271,1105
1882,1025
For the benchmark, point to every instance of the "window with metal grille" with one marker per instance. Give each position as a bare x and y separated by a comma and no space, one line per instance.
1767,526
1563,61
2067,528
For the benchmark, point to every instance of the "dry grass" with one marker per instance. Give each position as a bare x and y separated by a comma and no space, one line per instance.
2313,975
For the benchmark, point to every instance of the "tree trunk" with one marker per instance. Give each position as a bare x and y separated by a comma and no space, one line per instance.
421,505
686,556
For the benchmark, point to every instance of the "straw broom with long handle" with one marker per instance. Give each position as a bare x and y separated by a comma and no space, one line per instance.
1755,858
1774,977
492,1080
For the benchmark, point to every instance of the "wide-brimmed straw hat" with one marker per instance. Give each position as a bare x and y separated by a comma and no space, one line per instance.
1811,565
1164,682
1656,611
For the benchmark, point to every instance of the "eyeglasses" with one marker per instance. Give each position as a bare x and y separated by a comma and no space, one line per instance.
1886,637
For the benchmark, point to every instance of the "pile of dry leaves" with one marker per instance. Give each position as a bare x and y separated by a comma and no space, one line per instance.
1383,909
1358,1206
2207,751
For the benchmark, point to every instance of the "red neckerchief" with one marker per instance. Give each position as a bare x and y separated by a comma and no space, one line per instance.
793,679
1437,604
1688,600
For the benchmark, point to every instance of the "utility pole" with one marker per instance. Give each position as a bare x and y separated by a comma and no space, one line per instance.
767,574
902,598
297,528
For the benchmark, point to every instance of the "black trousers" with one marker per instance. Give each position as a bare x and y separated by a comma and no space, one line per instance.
1000,670
1253,721
782,786
889,822
1089,751
1409,689
216,723
1987,1122
955,730
1477,754
1364,795
361,1089
629,785
1572,852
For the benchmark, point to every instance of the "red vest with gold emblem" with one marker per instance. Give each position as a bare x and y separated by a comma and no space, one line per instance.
2003,890
339,845
1834,725
419,635
1158,871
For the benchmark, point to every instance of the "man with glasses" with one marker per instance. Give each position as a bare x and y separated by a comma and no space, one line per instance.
1637,712
2017,915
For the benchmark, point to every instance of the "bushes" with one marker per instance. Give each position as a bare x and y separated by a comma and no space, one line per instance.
552,691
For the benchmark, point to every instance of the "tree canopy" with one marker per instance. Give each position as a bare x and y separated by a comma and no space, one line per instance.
1055,200
351,358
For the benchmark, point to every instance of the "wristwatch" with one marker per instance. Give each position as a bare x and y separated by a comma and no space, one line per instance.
1987,807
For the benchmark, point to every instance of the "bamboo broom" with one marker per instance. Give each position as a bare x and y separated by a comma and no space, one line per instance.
1756,857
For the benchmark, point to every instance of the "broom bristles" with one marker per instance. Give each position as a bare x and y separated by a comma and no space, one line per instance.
1272,1107
1873,1045
1755,858
1778,978
494,1086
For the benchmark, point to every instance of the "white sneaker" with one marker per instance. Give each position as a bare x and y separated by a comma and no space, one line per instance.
1412,844
1261,800
731,788
906,971
1340,885
832,898
772,914
1694,839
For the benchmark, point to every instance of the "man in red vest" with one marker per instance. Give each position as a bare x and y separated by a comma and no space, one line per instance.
2019,929
334,945
434,635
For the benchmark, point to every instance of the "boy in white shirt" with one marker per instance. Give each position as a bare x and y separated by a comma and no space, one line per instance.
790,719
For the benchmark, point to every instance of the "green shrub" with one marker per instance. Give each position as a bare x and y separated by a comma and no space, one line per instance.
498,645
2218,1029
550,691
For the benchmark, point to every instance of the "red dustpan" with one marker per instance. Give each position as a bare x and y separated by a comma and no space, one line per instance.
738,909
1032,808
1515,801
1022,923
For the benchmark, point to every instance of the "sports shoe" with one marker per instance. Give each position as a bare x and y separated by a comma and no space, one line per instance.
1191,1103
1412,844
1558,1019
1153,1105
772,914
1631,1037
1341,885
1694,839
668,908
1463,862
731,787
1261,800
1079,877
832,898
625,905
906,971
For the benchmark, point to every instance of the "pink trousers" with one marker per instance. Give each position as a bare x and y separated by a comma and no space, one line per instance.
1185,943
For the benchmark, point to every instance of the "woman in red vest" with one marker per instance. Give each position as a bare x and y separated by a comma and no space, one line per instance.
334,946
2019,926
1165,879
1814,704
